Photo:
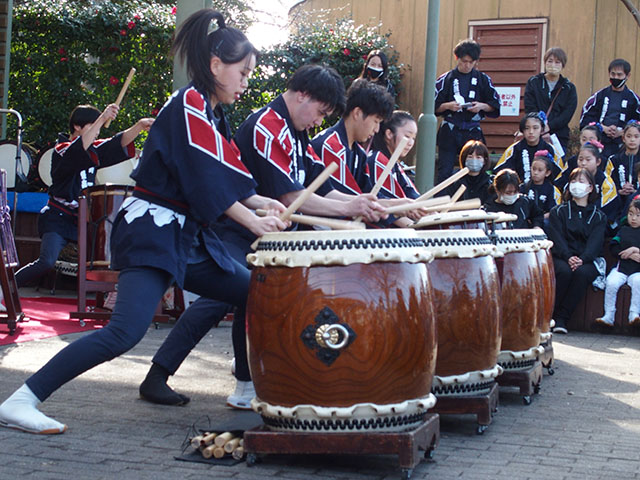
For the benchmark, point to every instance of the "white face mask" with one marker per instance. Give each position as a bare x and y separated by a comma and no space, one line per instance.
579,189
509,199
474,164
553,69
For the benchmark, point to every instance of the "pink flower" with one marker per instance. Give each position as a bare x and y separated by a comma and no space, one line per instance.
346,51
61,51
131,25
114,80
123,32
173,10
136,16
154,112
63,59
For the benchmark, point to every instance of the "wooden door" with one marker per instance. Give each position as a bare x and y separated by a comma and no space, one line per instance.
511,53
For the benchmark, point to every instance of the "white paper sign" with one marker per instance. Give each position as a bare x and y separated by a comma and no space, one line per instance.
509,101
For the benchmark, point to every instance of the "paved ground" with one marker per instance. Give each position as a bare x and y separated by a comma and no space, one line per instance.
585,423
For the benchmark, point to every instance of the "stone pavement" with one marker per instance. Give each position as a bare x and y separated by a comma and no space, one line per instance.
584,424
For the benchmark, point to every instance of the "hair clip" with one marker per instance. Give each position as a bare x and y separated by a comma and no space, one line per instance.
542,116
596,144
213,26
543,153
597,125
633,122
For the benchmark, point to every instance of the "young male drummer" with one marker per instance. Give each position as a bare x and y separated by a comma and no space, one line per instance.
368,104
74,162
276,149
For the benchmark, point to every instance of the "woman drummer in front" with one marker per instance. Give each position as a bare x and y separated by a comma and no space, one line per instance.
188,176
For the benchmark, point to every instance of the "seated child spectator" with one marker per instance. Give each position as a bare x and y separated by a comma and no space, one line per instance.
620,165
576,228
539,188
507,199
475,156
625,246
589,133
607,196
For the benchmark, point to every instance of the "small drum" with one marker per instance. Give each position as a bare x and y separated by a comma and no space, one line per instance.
341,331
118,174
8,154
44,166
548,278
521,286
104,202
462,219
466,301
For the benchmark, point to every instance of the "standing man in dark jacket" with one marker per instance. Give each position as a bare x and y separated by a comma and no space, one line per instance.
553,94
464,96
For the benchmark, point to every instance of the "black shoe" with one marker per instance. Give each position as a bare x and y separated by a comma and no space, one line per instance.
154,388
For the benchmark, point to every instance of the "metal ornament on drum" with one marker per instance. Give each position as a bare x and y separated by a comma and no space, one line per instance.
521,289
341,332
466,298
462,219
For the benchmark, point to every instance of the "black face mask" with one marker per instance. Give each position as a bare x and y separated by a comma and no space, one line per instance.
618,82
374,73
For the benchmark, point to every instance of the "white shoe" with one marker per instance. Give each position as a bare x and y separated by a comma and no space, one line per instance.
607,319
19,411
241,398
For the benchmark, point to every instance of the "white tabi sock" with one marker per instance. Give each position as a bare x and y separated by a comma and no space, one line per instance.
19,411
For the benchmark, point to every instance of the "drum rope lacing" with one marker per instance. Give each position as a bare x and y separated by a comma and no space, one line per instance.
455,241
462,388
520,239
382,243
517,364
347,424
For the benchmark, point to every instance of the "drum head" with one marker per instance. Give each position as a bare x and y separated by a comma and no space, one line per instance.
44,166
119,173
455,217
8,161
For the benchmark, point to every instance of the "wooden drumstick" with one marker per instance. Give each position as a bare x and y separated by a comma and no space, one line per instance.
223,438
472,204
456,197
333,223
441,186
307,192
208,439
231,445
432,202
387,169
123,90
238,453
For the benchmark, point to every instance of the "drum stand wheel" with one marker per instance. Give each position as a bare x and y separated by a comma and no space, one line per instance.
547,356
406,445
528,380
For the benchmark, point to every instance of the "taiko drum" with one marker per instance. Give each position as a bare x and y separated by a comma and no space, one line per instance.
466,289
547,276
341,331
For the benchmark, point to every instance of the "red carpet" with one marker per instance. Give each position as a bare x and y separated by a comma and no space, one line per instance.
45,317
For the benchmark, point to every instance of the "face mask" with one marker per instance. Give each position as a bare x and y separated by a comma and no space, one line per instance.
474,164
509,199
578,189
374,72
554,69
618,82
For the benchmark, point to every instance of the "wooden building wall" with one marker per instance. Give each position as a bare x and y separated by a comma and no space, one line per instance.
592,32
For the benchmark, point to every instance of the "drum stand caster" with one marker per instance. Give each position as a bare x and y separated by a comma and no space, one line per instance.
252,459
550,370
526,399
406,473
480,429
82,323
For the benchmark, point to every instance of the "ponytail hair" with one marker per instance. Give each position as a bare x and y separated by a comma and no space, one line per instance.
204,35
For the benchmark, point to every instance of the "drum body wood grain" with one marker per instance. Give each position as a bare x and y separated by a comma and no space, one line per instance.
466,298
385,316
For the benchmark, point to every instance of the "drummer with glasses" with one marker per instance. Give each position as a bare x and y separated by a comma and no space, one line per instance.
74,163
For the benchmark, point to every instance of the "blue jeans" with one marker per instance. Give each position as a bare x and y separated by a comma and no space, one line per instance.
50,246
139,291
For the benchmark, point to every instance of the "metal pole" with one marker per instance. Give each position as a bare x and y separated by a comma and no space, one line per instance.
184,9
427,123
7,62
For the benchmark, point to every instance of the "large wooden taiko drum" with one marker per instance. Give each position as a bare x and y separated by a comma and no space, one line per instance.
521,288
341,331
548,278
466,299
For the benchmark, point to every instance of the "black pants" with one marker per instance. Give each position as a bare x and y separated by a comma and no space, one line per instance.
570,288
